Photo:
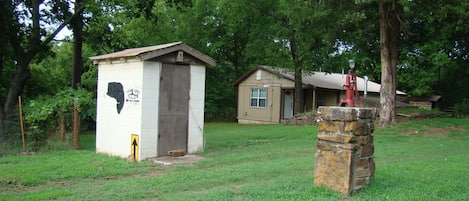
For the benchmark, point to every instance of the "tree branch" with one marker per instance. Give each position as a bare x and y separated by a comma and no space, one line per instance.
65,23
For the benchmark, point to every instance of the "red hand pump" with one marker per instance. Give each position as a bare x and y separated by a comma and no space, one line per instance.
350,87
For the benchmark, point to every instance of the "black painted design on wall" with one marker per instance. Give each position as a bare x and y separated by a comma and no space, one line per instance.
116,90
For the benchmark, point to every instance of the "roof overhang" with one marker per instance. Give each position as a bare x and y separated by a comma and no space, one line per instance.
316,79
152,52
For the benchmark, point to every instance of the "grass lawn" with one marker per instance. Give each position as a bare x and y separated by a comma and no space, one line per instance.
417,160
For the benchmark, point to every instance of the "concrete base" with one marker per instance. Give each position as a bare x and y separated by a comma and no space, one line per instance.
181,160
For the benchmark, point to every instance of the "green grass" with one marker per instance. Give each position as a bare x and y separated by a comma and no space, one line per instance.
417,112
417,160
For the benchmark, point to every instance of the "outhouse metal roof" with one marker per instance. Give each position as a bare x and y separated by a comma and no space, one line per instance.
147,53
319,79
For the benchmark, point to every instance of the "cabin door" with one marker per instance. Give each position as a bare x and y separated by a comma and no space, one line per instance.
173,108
288,104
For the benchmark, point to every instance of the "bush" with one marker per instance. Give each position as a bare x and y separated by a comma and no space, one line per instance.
40,114
462,108
10,133
226,114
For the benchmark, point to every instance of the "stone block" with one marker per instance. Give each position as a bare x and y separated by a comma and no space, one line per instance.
362,163
366,113
327,145
358,183
346,113
331,126
363,140
367,150
350,126
335,137
362,172
362,127
337,113
364,167
345,139
359,127
372,168
332,170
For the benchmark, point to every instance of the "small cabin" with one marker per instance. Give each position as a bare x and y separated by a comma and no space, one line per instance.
150,101
266,94
426,102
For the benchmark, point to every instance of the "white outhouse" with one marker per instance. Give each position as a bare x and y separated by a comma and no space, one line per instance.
150,101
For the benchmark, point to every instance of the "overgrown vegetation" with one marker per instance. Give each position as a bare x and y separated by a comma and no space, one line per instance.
10,136
239,35
462,108
46,113
417,160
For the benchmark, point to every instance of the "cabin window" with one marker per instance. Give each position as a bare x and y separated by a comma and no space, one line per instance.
258,98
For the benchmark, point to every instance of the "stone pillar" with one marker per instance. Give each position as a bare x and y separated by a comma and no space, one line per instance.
344,156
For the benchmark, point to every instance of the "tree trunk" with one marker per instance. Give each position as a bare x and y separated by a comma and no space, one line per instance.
17,84
77,25
389,21
2,114
23,54
23,58
298,99
62,127
299,95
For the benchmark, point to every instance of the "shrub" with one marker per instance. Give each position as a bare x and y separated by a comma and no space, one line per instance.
462,108
40,114
10,133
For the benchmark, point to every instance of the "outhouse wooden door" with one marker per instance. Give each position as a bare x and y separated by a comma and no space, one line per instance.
173,108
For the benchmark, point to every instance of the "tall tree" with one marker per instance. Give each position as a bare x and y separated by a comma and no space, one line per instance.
21,22
220,29
390,16
77,28
377,47
359,38
300,34
77,65
434,60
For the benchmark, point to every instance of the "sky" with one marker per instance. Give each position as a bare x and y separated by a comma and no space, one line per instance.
63,34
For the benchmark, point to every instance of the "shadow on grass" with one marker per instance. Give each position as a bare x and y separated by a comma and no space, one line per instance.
88,140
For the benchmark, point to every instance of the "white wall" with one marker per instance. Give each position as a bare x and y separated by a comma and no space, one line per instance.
140,116
113,130
150,113
195,142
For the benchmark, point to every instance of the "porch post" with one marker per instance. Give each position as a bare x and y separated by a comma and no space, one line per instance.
314,98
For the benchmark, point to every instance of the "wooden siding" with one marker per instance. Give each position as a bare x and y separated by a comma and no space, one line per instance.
274,85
